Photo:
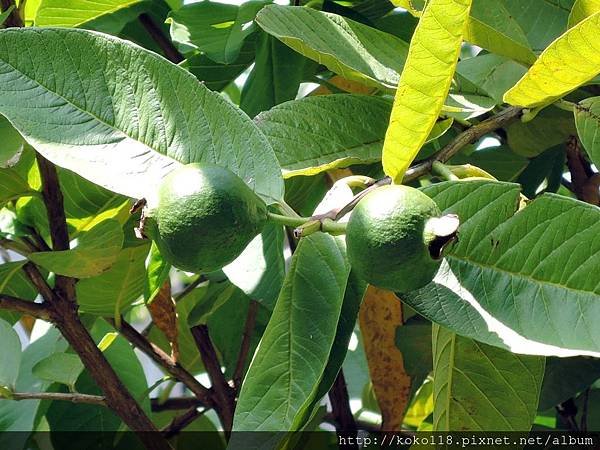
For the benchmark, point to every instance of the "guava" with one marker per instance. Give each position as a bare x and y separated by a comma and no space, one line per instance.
395,238
202,217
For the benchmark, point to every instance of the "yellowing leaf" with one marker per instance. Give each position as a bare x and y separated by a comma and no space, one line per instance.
424,82
380,315
569,62
415,7
164,316
582,9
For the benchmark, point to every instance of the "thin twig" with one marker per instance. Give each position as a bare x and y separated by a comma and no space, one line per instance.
37,310
189,288
71,397
471,134
161,358
224,393
245,346
340,409
175,403
180,422
17,247
161,40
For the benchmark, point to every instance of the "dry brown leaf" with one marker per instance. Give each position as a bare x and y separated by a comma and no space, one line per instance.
345,85
380,315
164,315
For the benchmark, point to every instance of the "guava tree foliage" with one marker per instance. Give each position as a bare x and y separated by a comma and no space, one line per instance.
490,109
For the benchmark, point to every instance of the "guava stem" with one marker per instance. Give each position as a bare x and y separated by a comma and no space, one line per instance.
358,181
443,171
287,220
325,225
565,105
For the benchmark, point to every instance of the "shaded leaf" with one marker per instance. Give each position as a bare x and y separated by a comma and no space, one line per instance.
10,356
59,367
478,387
587,120
216,29
275,78
13,281
491,74
350,49
499,161
413,339
283,377
122,106
424,82
492,27
565,378
217,76
12,186
380,315
567,63
260,269
583,9
114,291
12,143
96,251
157,273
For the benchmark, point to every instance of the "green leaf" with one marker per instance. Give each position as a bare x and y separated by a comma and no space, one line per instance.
12,186
156,274
74,13
583,9
587,120
260,269
95,253
10,355
413,339
283,378
209,300
12,143
492,27
217,76
424,83
499,161
216,29
466,106
350,49
324,132
275,78
565,378
569,62
22,416
62,368
490,74
13,281
518,281
114,291
478,387
126,117
550,127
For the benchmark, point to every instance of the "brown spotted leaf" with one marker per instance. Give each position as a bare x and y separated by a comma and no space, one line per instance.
380,315
164,316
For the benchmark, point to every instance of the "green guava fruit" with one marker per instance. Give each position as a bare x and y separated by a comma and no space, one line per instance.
395,238
202,217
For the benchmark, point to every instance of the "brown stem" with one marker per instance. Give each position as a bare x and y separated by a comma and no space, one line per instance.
175,403
340,408
63,312
469,135
584,182
180,422
224,393
36,310
14,19
118,398
57,221
240,364
161,358
72,397
161,40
